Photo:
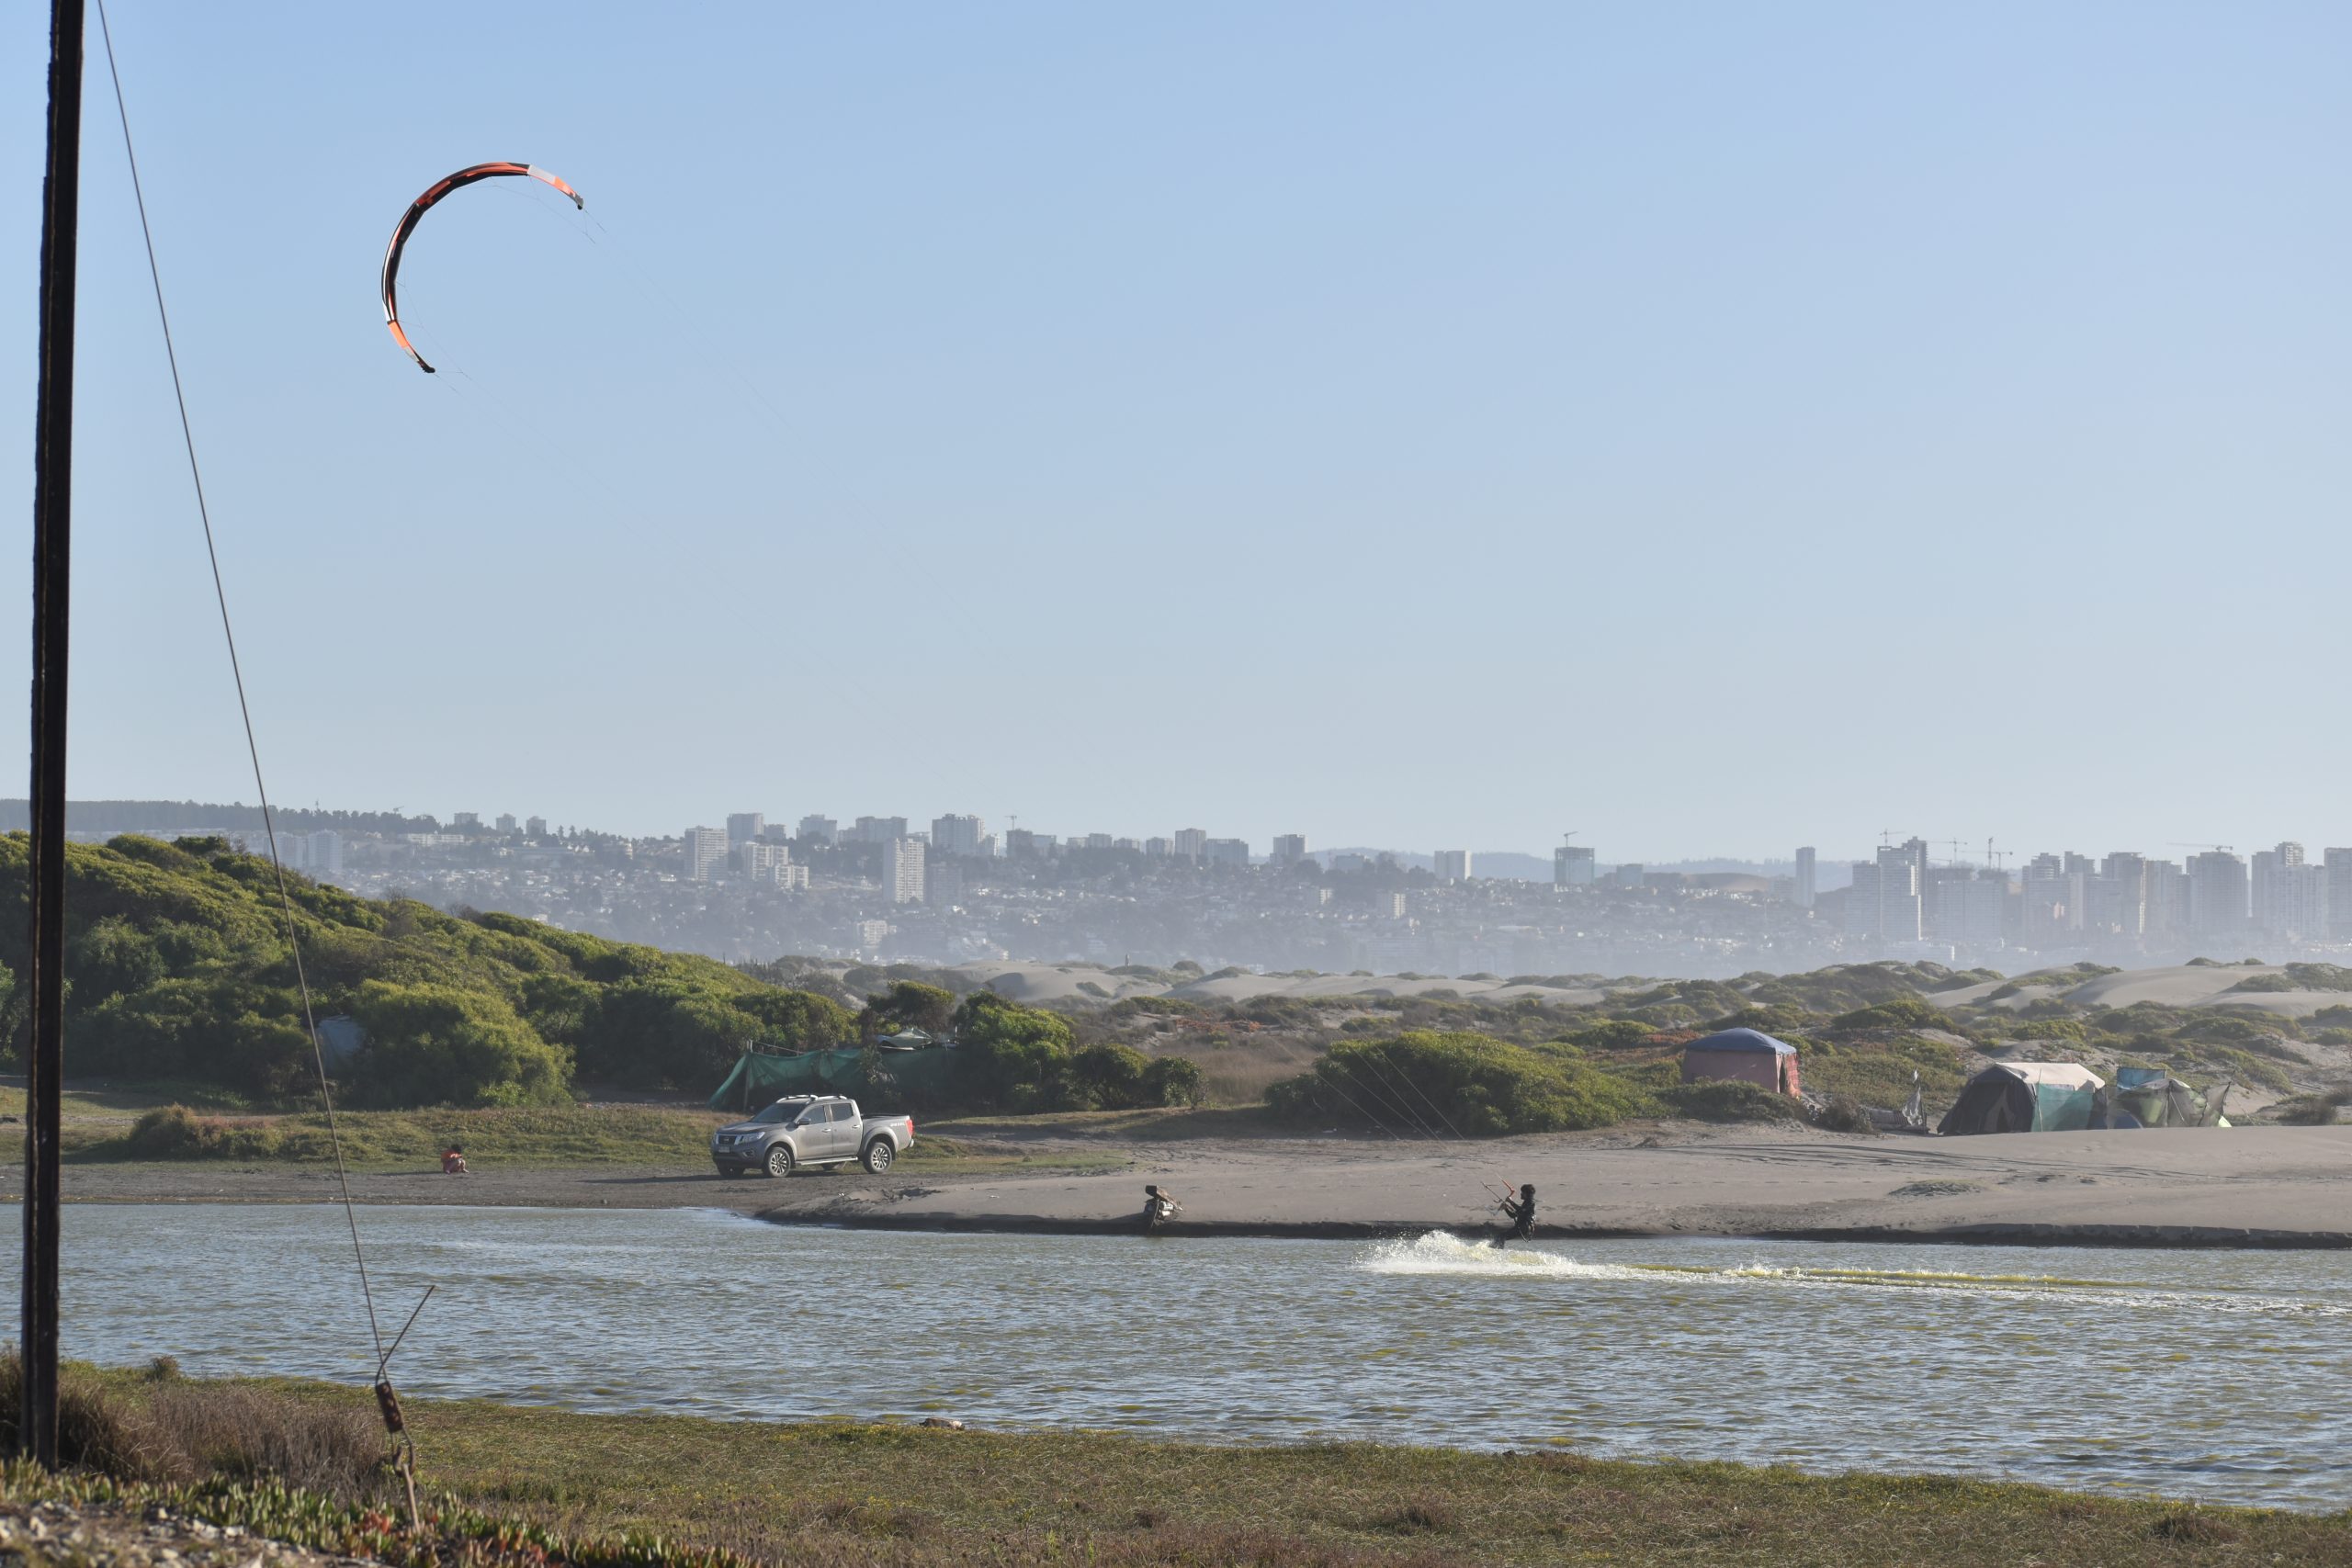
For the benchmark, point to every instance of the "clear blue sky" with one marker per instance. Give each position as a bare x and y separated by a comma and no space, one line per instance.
1711,427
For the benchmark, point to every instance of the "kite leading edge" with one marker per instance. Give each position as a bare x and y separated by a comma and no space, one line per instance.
417,208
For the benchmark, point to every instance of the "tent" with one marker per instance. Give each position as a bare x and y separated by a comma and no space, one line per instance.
761,1078
2027,1097
1749,1055
2150,1096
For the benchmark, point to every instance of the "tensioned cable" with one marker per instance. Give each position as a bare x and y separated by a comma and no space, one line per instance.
253,748
1419,1120
1432,1104
1389,1102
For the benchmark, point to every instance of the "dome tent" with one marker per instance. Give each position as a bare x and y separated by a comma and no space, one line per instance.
1745,1055
2027,1097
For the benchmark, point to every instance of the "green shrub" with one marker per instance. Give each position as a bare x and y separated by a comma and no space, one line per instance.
2316,977
1844,1114
1171,1080
173,1132
1729,1099
437,1046
1899,1012
1136,1007
1612,1035
1012,1057
1473,1084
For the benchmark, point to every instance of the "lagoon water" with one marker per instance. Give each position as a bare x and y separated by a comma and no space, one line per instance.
2212,1375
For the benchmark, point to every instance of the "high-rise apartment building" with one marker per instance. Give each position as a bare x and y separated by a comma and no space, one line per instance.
1158,849
2337,864
2217,895
534,826
2054,899
1883,904
771,862
2118,897
742,826
1808,877
1093,841
1963,904
1572,866
1020,843
957,835
902,869
1289,848
2290,897
325,852
2166,909
1226,851
1451,866
702,852
822,831
506,821
878,829
1192,843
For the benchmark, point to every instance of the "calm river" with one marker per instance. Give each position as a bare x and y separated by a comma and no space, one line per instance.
2204,1374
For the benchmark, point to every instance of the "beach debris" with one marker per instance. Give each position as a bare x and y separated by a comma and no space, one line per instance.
945,1423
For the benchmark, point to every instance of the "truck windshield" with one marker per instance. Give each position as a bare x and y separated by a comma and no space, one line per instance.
782,1111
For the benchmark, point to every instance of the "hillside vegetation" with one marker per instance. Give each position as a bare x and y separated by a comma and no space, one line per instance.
178,968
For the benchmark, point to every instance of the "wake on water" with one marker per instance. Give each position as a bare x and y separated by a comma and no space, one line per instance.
1444,1253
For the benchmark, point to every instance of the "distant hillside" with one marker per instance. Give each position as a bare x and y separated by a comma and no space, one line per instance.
178,969
195,816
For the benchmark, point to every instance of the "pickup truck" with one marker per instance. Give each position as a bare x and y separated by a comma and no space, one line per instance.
810,1128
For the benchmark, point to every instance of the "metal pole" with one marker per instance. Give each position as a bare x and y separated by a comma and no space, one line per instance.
52,564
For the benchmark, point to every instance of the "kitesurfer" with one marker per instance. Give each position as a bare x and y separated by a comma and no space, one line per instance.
1520,1211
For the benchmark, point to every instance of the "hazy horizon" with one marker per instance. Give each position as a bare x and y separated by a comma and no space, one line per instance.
1725,429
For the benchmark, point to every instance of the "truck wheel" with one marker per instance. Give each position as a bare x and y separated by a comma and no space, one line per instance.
779,1162
879,1156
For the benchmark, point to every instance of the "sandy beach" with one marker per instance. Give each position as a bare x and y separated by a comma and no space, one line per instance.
2243,1186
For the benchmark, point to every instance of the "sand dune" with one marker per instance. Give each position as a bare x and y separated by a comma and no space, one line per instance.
2178,986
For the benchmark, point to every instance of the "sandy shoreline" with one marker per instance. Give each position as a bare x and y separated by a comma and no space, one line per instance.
2257,1187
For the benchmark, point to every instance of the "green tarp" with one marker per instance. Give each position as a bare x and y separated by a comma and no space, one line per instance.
759,1080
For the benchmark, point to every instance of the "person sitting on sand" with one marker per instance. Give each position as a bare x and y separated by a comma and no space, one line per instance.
1159,1207
1520,1211
453,1161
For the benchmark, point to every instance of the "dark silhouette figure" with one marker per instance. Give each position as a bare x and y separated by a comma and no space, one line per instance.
1159,1207
1520,1211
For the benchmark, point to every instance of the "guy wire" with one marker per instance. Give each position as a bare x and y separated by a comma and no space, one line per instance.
253,748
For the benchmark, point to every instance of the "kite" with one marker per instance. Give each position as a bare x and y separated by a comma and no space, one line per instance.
416,209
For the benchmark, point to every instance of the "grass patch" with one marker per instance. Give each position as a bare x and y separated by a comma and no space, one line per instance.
841,1494
401,1140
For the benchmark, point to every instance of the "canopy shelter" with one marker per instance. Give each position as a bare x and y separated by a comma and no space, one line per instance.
1748,1056
2027,1097
760,1078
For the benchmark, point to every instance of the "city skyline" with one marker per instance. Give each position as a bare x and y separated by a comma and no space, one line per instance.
1701,358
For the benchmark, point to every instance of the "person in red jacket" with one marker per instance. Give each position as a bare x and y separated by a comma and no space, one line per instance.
453,1161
